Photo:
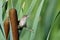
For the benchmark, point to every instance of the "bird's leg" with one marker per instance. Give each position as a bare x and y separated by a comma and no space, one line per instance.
28,28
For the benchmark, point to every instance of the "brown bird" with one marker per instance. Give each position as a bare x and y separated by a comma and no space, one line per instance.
23,23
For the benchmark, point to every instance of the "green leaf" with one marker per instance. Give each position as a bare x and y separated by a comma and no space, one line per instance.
55,31
1,23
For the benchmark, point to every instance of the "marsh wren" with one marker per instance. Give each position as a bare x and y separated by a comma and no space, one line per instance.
22,23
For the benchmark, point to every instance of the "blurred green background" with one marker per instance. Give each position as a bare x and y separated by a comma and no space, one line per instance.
44,18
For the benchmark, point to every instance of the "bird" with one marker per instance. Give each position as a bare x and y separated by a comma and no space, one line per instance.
23,23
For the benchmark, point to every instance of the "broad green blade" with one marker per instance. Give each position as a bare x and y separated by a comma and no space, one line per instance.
55,31
2,35
36,20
